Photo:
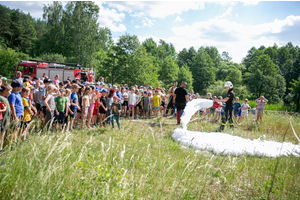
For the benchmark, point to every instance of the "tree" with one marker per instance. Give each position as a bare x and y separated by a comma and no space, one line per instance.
203,71
214,55
295,90
235,76
168,71
226,57
263,79
186,75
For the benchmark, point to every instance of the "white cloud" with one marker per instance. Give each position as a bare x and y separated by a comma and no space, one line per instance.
228,12
236,14
155,9
178,19
250,3
110,18
147,22
236,38
136,26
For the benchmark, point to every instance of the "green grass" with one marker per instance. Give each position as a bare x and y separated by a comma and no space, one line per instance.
141,161
271,107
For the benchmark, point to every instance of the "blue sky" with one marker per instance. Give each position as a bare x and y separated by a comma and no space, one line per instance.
230,26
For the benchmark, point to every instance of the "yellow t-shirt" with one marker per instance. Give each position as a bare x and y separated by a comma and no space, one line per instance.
156,100
26,113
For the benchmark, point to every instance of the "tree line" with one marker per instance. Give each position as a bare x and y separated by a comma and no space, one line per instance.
73,34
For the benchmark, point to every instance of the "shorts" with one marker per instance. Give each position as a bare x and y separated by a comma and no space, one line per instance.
244,113
125,103
236,113
84,111
16,125
91,107
24,124
38,107
156,108
44,108
130,106
2,128
95,112
74,110
260,111
60,118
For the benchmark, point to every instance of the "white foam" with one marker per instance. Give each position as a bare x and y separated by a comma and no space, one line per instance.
192,107
233,145
225,143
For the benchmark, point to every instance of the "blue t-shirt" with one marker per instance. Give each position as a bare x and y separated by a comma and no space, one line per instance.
237,105
73,99
16,99
119,94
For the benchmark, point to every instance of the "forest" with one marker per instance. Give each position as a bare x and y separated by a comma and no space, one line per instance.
72,33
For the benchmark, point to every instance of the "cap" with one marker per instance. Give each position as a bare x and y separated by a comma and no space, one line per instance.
149,92
35,78
75,86
145,92
61,90
61,83
16,83
157,88
74,81
47,80
104,90
4,79
141,90
109,85
112,90
141,86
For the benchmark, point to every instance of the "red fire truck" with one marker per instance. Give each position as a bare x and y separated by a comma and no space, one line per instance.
64,70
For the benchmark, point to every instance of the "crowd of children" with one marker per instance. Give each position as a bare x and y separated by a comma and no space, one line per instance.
63,106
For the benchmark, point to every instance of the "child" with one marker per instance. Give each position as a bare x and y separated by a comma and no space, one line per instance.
85,105
17,108
218,112
261,102
61,108
236,108
67,95
132,103
110,101
145,102
244,108
92,106
125,101
5,111
26,114
116,110
156,103
150,105
102,107
74,104
50,104
138,100
95,111
208,96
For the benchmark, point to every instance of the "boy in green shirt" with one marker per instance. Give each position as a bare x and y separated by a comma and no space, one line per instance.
61,108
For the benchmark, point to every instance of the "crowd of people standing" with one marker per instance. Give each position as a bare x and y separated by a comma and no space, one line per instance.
69,104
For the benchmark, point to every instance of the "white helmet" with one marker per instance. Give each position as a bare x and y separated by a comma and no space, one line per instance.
228,84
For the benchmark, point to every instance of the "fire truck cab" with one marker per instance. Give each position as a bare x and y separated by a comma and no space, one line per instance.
64,70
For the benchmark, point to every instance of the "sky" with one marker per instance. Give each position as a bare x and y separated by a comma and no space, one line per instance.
229,26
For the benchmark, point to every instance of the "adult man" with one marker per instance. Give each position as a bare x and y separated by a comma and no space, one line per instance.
171,92
18,77
229,106
180,99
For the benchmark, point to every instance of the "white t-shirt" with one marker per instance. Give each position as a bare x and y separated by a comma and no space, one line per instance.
92,98
132,99
138,97
87,100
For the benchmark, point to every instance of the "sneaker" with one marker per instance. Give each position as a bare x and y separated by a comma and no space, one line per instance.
71,129
90,127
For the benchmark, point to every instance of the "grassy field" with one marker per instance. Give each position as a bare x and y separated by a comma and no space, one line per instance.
141,161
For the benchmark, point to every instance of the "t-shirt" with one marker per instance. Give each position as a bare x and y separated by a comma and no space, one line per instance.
103,100
156,100
132,99
125,96
61,103
87,100
38,95
245,106
145,101
56,81
110,101
180,95
43,94
118,94
26,114
237,105
230,95
261,104
6,115
51,102
74,99
138,98
115,109
16,99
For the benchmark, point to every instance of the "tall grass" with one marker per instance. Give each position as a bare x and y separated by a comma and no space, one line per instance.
141,161
272,107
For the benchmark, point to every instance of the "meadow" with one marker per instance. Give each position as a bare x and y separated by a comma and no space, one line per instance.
141,161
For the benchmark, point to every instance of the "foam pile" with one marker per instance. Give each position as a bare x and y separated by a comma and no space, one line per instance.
225,143
233,145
